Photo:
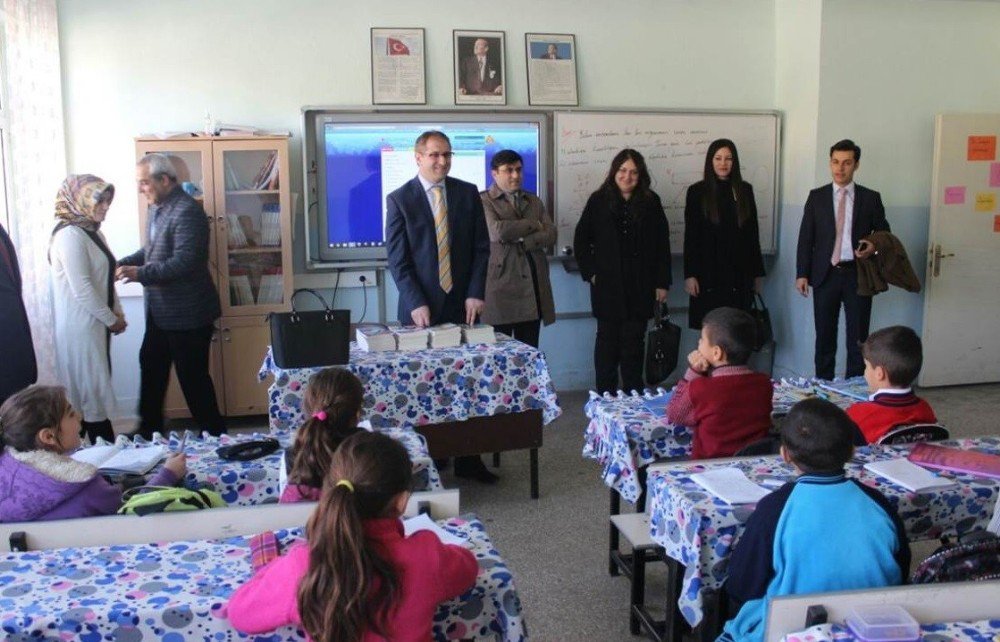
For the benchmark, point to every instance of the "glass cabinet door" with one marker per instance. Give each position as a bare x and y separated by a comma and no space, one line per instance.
253,219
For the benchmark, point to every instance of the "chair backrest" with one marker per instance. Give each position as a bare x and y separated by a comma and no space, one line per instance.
975,558
770,445
912,433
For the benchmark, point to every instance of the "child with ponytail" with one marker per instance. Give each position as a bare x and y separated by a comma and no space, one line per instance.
332,403
358,579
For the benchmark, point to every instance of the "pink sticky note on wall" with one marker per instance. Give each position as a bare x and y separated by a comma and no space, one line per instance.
994,174
955,195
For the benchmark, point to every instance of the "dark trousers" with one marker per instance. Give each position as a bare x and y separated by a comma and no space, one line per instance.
188,351
95,429
525,331
619,345
840,287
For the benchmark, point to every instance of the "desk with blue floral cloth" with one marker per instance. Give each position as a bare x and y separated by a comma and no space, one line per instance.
176,591
978,631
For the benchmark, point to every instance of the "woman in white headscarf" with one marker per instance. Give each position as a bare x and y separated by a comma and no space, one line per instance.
87,310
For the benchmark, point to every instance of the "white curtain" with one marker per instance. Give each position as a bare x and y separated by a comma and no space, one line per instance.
33,96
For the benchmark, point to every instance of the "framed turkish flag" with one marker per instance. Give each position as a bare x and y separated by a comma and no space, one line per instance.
399,74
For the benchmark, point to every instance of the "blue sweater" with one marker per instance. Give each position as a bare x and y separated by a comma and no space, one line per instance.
819,533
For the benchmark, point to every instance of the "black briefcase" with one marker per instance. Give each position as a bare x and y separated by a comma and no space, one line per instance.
762,319
310,339
662,344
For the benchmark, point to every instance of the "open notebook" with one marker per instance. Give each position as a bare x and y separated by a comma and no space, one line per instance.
731,485
908,475
119,460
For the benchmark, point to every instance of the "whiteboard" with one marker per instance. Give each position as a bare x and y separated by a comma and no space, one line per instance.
674,146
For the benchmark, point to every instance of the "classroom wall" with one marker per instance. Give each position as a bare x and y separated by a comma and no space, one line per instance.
130,68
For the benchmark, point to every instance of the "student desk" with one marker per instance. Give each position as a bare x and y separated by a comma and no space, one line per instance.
466,400
699,530
248,483
625,437
978,631
173,591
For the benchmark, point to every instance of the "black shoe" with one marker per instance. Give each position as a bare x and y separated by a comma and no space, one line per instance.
473,468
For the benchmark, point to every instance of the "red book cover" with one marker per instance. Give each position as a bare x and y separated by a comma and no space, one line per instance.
963,461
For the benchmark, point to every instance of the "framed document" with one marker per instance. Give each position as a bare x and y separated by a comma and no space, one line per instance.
480,71
551,59
398,67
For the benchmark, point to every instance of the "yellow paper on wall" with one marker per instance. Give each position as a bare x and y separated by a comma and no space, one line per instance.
986,201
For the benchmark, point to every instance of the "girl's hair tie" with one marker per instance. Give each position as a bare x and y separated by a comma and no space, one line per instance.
345,483
321,415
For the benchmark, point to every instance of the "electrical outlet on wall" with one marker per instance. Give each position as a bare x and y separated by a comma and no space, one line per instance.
348,279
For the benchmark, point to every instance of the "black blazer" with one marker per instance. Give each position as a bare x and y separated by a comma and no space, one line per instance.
173,267
597,251
412,247
702,240
17,355
819,228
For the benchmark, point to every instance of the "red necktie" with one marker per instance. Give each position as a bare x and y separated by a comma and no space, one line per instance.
841,216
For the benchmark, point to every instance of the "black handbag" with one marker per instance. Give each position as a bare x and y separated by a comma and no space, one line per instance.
662,345
310,339
762,319
248,449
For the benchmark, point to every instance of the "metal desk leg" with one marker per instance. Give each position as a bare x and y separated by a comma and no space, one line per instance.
640,503
534,473
496,460
616,506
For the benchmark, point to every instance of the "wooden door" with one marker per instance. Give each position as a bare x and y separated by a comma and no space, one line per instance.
961,306
244,342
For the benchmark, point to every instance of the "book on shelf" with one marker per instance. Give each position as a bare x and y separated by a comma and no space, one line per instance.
232,178
270,224
239,289
116,459
167,135
445,335
956,459
410,337
478,333
375,338
267,174
271,285
228,129
237,238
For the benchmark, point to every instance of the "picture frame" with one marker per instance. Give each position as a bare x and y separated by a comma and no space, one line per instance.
398,66
551,65
480,67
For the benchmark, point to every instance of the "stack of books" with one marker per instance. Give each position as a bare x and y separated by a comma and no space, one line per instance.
409,337
267,177
375,338
237,238
270,224
239,288
271,286
478,333
445,335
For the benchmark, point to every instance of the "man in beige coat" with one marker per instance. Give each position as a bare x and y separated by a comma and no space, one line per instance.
518,293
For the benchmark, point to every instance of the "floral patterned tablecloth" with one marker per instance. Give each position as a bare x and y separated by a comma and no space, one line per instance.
428,386
247,483
979,631
699,530
177,591
624,435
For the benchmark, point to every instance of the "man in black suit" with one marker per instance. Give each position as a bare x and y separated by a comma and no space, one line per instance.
181,299
438,247
836,219
480,75
17,355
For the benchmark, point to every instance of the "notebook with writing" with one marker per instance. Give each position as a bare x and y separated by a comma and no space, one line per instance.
963,461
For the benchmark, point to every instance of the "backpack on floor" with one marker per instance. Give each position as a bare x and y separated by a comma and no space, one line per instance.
167,499
976,557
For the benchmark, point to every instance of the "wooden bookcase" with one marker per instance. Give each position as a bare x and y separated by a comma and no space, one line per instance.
243,184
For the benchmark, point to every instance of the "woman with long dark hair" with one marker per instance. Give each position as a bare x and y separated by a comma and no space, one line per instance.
356,578
622,245
723,266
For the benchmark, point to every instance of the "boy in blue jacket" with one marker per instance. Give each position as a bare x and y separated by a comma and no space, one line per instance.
821,532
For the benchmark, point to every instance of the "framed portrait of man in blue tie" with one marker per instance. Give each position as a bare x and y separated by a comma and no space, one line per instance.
479,67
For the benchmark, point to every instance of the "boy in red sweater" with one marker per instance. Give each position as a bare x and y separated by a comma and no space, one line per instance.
893,357
727,404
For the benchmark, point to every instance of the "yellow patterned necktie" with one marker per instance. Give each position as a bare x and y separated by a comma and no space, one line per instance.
443,242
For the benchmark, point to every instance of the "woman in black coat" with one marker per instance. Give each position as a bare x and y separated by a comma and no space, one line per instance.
722,260
622,245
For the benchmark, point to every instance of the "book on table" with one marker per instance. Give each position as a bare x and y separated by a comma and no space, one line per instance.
445,335
375,338
956,459
908,475
478,333
410,337
731,485
116,459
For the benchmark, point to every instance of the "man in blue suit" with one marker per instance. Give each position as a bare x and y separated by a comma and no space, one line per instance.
438,246
837,218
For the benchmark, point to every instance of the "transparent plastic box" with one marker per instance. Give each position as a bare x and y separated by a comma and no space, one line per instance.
883,623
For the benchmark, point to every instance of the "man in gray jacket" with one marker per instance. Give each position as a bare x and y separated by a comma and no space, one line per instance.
181,299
